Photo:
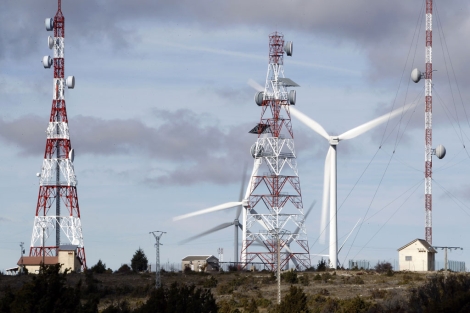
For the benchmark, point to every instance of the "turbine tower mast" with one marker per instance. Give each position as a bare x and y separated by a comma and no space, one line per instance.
274,203
57,180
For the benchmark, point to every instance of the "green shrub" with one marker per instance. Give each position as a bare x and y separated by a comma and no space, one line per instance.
224,289
251,307
321,267
383,267
211,282
378,293
304,280
295,301
98,268
289,277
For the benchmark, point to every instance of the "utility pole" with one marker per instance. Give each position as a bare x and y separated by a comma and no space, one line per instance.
157,234
278,233
445,254
22,252
220,251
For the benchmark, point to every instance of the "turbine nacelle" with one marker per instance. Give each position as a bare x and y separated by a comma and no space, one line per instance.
334,140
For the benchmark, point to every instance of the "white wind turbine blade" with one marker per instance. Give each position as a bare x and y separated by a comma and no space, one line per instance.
207,232
326,196
348,236
374,123
255,85
305,218
309,122
253,173
216,208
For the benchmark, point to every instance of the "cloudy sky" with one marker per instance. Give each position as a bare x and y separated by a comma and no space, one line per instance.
161,110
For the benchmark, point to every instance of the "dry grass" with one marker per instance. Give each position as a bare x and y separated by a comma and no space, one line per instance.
240,287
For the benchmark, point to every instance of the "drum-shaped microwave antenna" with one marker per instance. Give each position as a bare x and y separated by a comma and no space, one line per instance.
49,24
72,155
70,82
291,97
50,42
288,48
47,61
259,98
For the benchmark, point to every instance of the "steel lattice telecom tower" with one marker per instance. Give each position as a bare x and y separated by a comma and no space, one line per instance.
57,181
440,151
428,126
274,205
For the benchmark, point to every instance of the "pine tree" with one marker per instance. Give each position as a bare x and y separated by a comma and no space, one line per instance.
139,261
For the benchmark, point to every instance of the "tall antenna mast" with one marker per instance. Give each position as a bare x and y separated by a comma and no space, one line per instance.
428,126
57,180
157,234
440,151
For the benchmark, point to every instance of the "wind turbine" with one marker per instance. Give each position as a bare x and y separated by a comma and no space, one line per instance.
243,202
329,182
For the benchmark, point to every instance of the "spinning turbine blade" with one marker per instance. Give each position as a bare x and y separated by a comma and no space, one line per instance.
306,215
374,123
216,208
253,173
339,250
255,85
309,122
207,232
326,196
240,198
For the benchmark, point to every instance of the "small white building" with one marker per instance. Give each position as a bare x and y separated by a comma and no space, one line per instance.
417,256
200,263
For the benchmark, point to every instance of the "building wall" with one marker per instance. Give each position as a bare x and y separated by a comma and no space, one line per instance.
198,265
32,269
416,258
194,265
69,260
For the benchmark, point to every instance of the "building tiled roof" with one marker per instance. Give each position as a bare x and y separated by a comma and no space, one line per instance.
36,260
197,257
425,244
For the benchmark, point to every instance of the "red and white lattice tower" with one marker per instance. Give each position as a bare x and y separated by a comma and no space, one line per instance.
57,181
274,207
440,150
428,151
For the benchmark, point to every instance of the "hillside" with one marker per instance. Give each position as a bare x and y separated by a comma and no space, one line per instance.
235,290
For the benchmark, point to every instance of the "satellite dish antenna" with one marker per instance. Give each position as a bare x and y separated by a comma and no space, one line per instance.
38,174
50,42
75,241
72,155
416,75
440,151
